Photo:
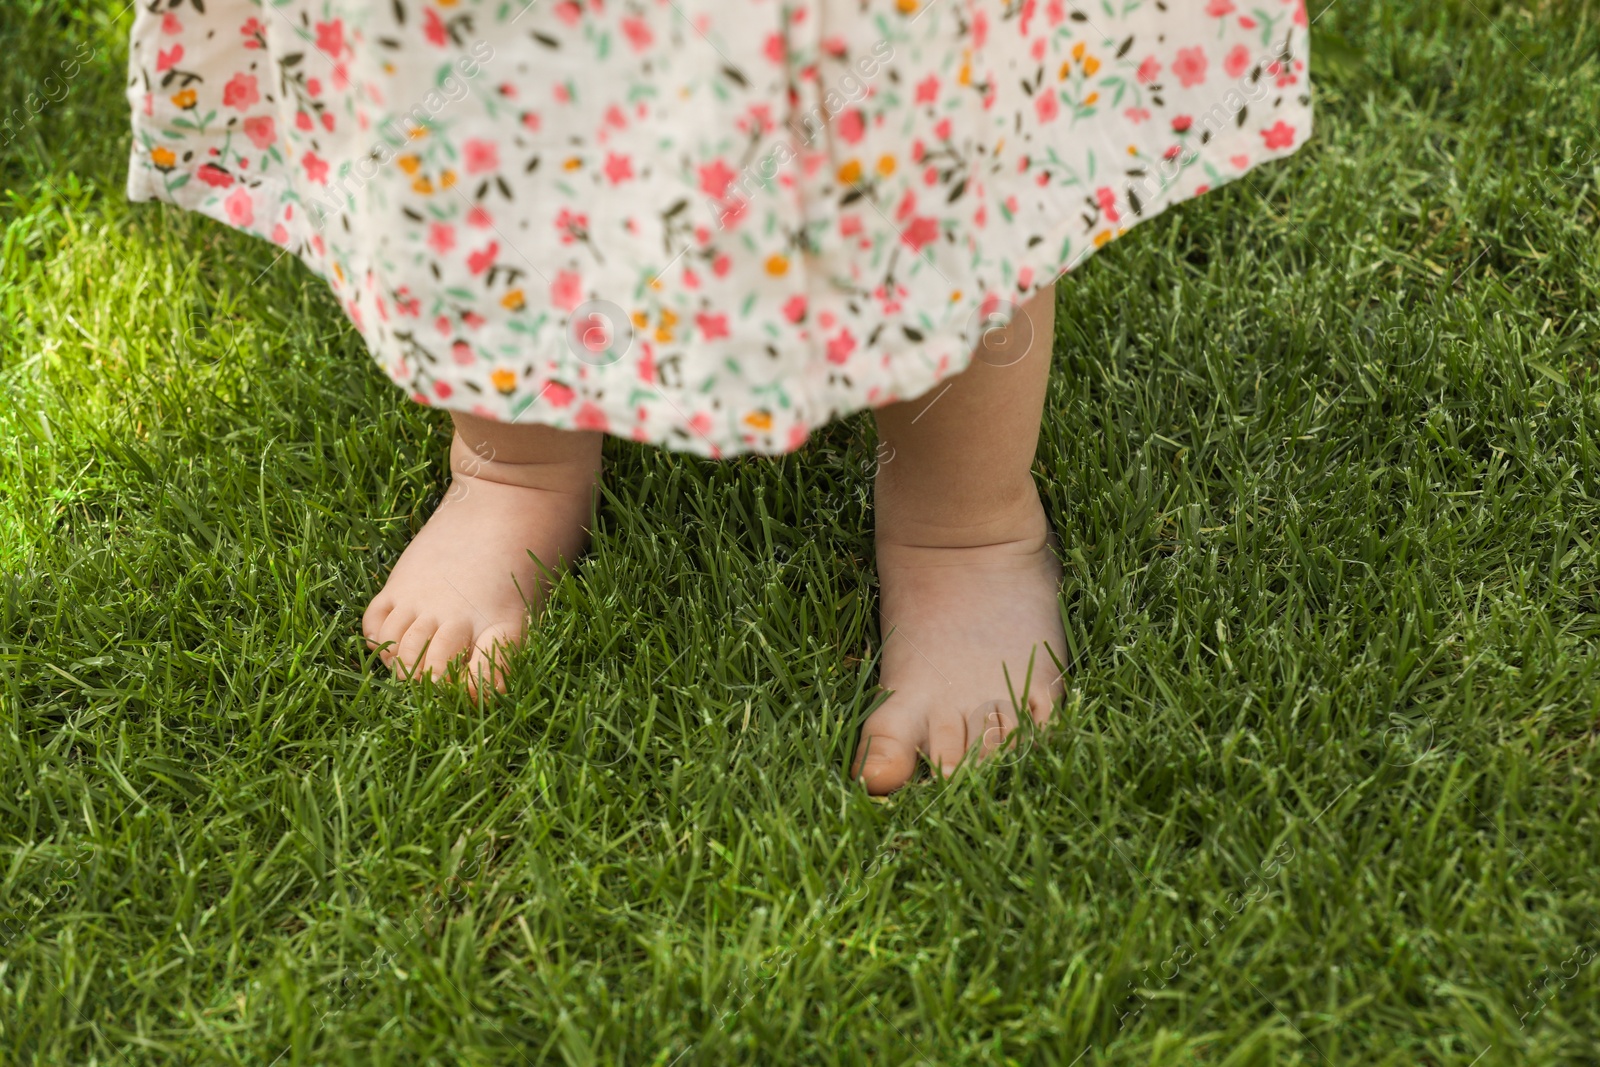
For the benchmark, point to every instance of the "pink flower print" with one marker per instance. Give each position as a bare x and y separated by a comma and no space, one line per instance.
638,33
774,49
441,237
313,87
433,27
483,259
480,155
252,30
618,168
849,225
461,352
1220,8
1182,123
1046,106
1190,66
980,29
795,309
840,346
1148,70
590,417
260,130
1280,135
721,265
569,12
941,129
715,177
1240,161
341,76
170,24
478,217
923,231
732,211
1136,115
472,319
330,37
443,389
691,280
928,89
1107,199
562,94
701,423
280,236
1039,44
572,226
1055,12
316,168
240,208
1238,61
559,395
566,292
327,121
530,120
851,126
712,326
907,206
168,59
442,324
302,121
214,175
1300,13
615,117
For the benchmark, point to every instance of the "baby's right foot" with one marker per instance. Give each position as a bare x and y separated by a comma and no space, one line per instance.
516,512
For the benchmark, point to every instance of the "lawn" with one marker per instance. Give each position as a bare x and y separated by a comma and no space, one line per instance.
1324,452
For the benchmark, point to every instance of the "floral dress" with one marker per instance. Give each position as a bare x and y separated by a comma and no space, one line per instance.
711,226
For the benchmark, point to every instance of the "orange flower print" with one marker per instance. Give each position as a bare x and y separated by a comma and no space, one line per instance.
163,158
759,420
504,380
185,98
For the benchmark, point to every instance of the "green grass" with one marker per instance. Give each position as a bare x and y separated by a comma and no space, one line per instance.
1322,448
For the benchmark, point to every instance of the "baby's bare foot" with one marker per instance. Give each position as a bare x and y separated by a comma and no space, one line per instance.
959,614
464,587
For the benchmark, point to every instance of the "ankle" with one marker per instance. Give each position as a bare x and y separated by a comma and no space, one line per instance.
551,464
925,514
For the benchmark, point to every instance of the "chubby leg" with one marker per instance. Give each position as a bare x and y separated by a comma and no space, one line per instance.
517,510
966,567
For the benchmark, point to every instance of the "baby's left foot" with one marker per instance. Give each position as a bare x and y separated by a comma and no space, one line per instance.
960,610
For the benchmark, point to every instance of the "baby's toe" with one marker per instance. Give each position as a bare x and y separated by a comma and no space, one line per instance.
449,641
377,613
489,663
413,647
395,625
886,756
991,725
948,741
